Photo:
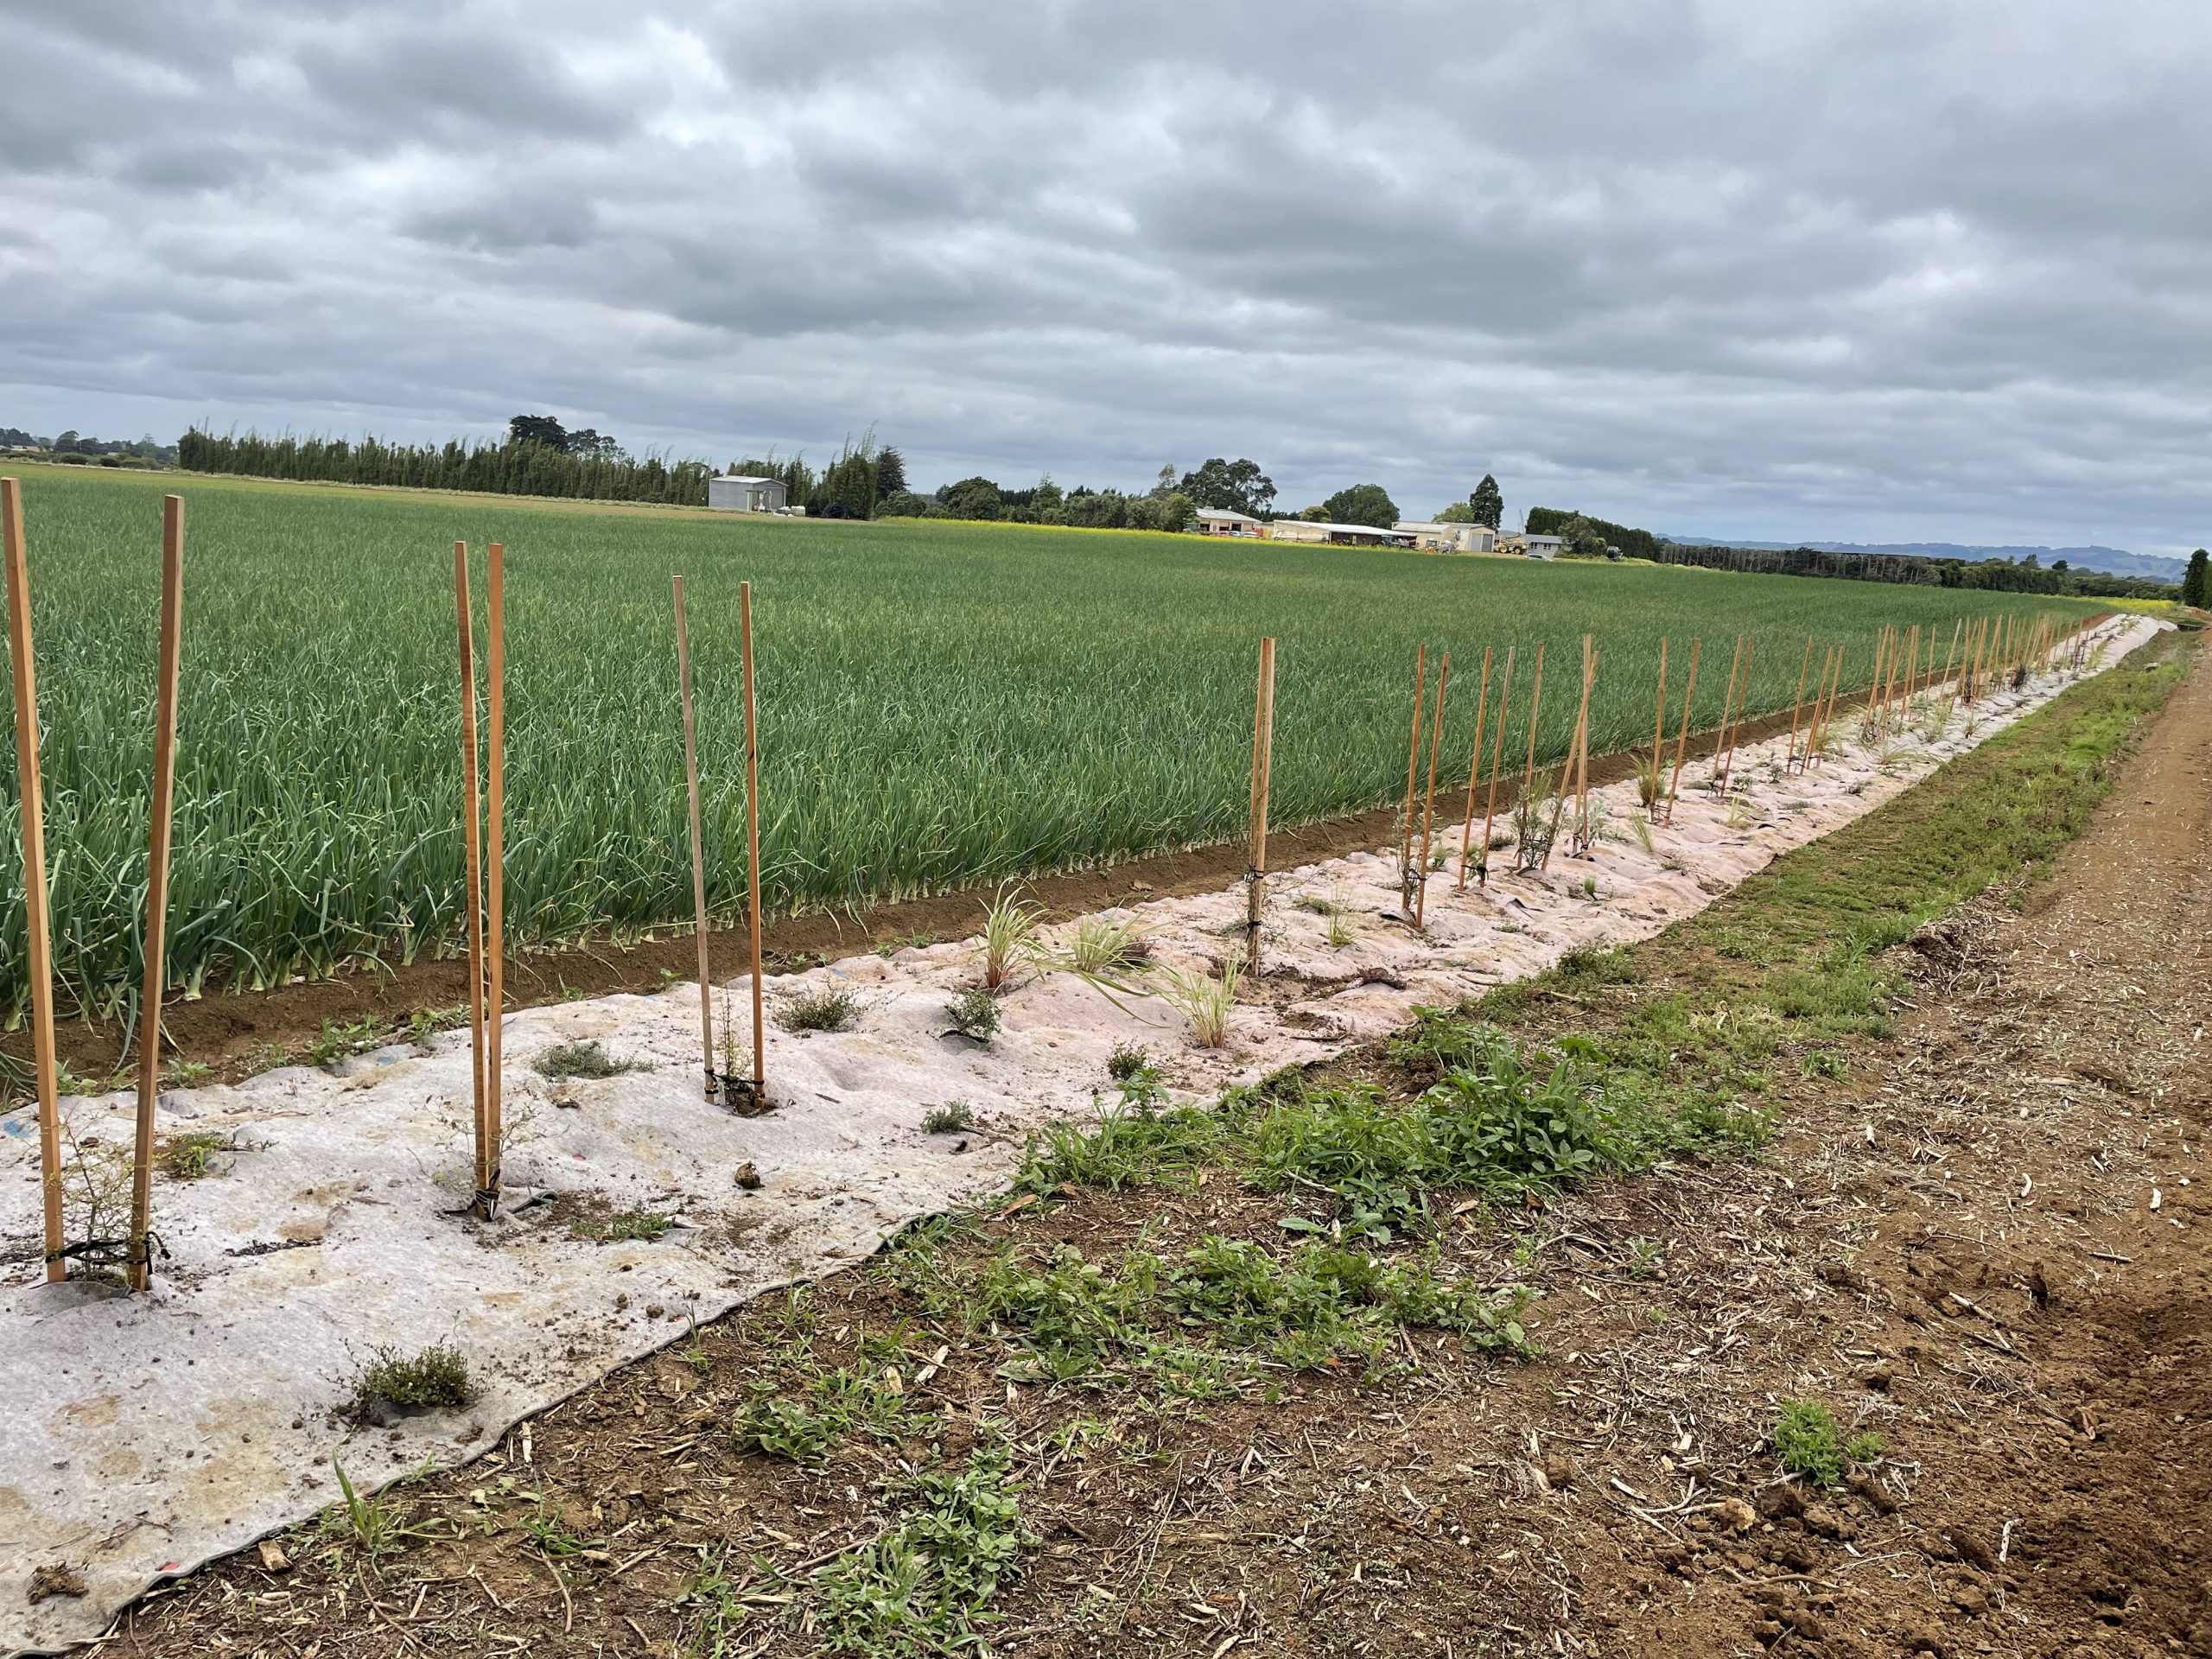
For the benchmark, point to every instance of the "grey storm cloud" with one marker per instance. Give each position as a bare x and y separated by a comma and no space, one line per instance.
1928,270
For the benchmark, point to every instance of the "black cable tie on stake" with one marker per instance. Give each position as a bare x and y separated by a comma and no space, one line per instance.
108,1252
487,1204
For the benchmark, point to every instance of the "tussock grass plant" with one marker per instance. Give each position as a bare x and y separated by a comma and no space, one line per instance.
1010,938
1205,1000
1104,949
376,1525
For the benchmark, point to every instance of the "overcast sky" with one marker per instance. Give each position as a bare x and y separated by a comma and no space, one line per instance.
1915,271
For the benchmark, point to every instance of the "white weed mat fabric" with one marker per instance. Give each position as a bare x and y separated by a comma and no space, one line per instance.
144,1435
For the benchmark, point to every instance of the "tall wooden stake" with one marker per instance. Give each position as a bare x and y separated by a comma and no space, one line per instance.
1567,776
1950,686
1790,754
698,845
1582,751
1824,705
38,921
1429,808
1736,728
1682,737
1413,775
1658,735
1264,740
1474,768
1498,750
495,816
752,849
1728,704
157,892
473,858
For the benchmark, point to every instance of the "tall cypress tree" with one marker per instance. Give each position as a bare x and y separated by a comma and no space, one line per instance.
2193,580
1488,503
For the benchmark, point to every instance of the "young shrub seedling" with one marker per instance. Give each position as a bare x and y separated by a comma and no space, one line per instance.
586,1060
947,1119
436,1379
186,1157
974,1013
1126,1062
829,1007
1806,1442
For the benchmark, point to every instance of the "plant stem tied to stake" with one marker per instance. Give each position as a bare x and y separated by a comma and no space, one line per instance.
1413,775
37,917
1429,808
1263,740
1497,753
157,894
698,844
760,1103
1474,769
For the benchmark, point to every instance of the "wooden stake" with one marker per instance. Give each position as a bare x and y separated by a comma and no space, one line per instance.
1790,754
1950,686
1658,735
752,849
1727,703
1813,720
1475,767
1429,808
1413,774
698,845
1264,740
472,851
157,891
1736,728
1529,772
1682,737
495,813
1582,750
38,921
1489,812
1566,766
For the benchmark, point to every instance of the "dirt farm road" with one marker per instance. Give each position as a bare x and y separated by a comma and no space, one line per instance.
1986,1235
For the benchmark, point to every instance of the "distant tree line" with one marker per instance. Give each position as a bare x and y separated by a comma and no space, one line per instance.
2028,575
536,458
73,446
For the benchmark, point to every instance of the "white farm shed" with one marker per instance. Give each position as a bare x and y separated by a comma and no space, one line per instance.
1450,537
736,493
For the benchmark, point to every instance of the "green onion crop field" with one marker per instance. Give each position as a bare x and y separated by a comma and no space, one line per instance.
940,704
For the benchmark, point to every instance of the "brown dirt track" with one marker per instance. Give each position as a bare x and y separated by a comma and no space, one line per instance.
1955,1245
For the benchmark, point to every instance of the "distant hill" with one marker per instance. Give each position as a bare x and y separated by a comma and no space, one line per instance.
2113,561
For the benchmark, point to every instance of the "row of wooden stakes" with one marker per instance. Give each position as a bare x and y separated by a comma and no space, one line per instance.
484,787
1995,648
